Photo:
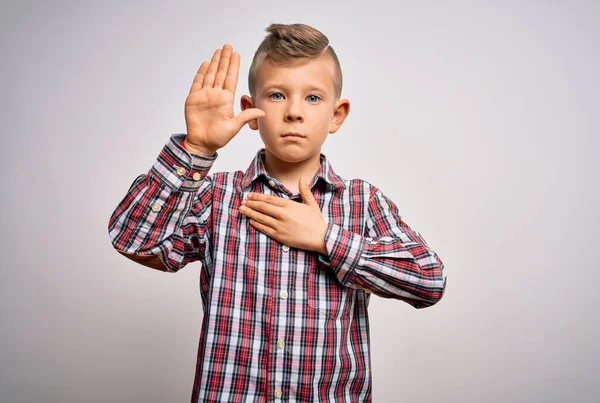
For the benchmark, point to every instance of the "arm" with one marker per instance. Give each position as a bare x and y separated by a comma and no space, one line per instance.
392,260
163,221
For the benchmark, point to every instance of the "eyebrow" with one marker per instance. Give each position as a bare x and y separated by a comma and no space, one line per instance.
285,87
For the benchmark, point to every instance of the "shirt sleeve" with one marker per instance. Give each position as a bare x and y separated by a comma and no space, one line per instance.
164,220
391,260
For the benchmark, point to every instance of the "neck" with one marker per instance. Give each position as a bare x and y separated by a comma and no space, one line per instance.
290,172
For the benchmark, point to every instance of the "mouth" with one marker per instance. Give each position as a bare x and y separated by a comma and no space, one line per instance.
293,135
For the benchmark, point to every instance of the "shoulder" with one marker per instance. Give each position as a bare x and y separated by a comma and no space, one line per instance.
359,185
227,179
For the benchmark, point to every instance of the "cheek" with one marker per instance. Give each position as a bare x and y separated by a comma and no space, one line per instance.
273,118
270,112
324,118
266,123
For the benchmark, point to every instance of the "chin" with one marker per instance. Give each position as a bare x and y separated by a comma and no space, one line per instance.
291,153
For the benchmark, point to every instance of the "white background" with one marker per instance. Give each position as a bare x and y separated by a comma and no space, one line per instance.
479,119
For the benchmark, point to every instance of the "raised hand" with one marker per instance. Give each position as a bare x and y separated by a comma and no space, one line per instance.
209,116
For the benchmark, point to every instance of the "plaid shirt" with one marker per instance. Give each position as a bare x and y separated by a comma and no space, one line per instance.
280,324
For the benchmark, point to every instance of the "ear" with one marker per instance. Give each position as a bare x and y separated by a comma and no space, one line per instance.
245,103
340,112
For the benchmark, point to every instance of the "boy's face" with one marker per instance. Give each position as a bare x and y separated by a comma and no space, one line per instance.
296,99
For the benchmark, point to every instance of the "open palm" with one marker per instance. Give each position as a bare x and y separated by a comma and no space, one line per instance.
209,116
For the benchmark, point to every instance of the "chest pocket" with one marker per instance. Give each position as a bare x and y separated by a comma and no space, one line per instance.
326,296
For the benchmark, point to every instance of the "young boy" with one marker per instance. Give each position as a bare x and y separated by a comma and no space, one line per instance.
288,265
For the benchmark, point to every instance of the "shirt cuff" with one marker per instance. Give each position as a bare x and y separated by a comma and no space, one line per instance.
344,250
178,168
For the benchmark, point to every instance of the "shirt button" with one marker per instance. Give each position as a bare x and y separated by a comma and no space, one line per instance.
196,176
278,393
283,294
156,207
280,344
272,183
181,171
285,248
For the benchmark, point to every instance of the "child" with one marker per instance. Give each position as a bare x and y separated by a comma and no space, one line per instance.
288,264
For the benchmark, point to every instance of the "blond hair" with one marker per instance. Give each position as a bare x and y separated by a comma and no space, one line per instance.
287,44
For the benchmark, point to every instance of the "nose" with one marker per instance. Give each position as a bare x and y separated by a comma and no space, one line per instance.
293,112
293,118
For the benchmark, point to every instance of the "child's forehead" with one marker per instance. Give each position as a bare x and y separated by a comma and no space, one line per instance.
310,74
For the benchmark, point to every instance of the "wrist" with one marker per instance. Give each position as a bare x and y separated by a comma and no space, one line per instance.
198,150
322,247
323,250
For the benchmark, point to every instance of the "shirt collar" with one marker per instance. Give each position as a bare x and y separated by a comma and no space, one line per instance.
256,169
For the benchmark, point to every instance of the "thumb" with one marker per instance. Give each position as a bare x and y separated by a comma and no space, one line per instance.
305,193
247,116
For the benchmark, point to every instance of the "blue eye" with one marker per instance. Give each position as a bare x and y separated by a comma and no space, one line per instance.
312,98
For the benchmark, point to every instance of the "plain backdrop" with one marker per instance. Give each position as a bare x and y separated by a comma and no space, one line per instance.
479,119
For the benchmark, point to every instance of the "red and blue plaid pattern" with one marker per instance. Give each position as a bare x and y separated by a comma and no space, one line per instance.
280,324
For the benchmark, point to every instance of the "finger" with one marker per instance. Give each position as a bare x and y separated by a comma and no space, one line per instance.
199,78
233,73
223,66
276,201
265,208
259,217
263,228
248,115
209,78
307,196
